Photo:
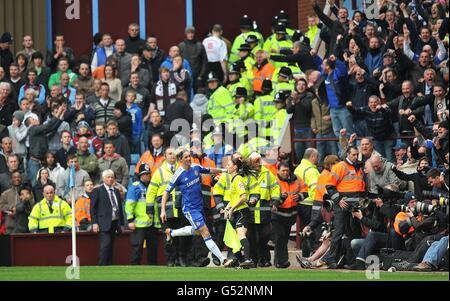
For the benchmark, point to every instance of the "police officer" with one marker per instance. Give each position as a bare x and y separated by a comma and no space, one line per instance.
139,221
51,214
246,25
282,82
220,100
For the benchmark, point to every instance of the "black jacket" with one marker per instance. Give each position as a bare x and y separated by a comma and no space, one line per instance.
178,110
379,123
125,125
38,137
418,178
163,130
156,62
101,208
303,59
404,103
6,113
195,53
302,110
23,210
134,45
122,146
53,63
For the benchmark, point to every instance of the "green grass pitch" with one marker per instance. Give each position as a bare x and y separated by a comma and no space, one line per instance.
159,273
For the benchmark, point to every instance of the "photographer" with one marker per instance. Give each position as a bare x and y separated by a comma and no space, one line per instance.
378,237
418,178
415,221
325,220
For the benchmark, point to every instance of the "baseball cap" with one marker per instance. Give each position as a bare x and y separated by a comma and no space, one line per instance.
400,146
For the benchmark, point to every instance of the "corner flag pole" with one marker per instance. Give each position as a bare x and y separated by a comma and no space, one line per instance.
74,232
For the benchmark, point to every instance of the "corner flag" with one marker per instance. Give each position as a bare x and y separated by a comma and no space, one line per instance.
230,238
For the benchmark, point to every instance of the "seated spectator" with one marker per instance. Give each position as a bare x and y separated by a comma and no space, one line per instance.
113,161
32,84
62,185
9,200
66,148
83,208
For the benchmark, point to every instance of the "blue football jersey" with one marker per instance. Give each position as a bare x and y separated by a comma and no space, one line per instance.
189,184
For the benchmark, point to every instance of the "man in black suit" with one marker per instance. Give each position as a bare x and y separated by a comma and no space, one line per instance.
107,215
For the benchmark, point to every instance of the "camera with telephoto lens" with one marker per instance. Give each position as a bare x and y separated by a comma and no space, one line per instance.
424,208
442,198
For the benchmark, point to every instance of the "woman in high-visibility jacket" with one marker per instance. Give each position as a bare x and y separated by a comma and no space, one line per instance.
237,210
284,212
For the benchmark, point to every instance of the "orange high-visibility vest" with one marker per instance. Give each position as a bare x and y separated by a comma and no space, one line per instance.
401,218
82,209
322,182
291,188
147,158
206,179
260,75
346,178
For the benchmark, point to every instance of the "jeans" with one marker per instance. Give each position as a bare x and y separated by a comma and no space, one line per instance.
356,244
326,147
360,128
300,147
436,252
341,118
135,146
33,168
384,147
